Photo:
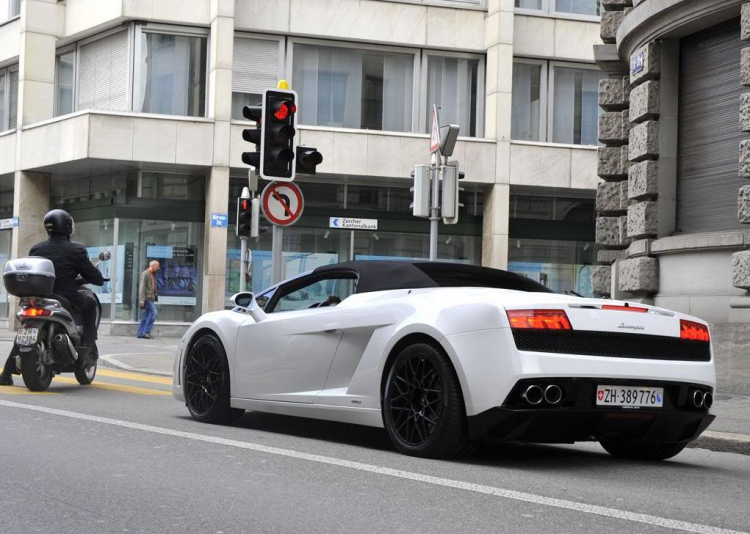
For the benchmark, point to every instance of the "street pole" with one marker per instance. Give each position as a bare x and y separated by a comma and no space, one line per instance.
434,206
276,256
243,248
243,264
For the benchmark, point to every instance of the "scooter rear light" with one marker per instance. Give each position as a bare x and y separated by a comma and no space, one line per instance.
35,312
694,331
539,319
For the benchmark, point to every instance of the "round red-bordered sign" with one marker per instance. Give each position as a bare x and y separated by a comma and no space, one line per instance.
282,203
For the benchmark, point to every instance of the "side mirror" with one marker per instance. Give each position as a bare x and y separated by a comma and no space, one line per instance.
105,256
246,300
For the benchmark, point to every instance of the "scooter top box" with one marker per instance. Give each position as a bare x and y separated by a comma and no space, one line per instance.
29,277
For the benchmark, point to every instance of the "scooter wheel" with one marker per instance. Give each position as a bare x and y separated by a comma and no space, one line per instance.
86,376
36,374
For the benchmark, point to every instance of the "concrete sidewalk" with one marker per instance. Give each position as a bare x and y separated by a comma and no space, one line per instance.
730,432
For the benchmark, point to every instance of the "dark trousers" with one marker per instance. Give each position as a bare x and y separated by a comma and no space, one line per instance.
10,363
86,306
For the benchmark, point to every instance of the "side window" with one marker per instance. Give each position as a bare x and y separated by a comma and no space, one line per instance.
263,298
317,294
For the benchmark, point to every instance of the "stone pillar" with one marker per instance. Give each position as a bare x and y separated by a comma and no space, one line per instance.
639,273
217,180
498,93
614,134
42,22
741,260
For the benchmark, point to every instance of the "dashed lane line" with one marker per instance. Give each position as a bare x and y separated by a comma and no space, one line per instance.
116,387
22,390
136,377
531,498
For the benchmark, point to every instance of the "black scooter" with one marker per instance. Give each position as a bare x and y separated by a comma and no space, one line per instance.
49,341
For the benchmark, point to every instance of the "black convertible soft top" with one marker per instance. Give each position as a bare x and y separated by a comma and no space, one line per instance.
388,275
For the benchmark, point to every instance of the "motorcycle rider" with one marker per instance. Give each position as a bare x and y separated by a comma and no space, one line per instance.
70,260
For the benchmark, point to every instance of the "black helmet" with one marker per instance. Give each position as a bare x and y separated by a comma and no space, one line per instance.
59,222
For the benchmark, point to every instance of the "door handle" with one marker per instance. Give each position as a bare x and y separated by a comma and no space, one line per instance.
332,331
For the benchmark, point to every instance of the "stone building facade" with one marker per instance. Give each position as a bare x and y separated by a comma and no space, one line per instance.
671,204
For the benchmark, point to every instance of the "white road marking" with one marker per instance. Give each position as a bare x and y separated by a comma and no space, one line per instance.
614,513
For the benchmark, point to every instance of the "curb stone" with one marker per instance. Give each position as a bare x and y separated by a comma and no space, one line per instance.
722,442
107,361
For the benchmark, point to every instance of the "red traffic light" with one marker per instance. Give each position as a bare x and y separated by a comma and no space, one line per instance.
244,204
284,109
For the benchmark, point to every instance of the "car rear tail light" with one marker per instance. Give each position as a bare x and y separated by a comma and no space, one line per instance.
35,312
539,319
694,331
624,308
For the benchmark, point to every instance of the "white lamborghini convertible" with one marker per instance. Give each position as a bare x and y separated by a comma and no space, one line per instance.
442,355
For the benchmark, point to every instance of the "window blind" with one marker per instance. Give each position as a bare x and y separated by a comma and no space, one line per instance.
13,100
103,74
255,65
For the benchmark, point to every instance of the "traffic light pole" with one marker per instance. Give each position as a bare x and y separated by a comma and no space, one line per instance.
276,254
434,205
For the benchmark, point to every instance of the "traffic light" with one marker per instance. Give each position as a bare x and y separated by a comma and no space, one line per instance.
421,190
244,217
450,190
253,135
279,130
308,158
274,135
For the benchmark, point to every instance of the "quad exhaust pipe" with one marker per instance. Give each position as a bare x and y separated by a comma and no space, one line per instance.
698,398
708,400
553,394
535,394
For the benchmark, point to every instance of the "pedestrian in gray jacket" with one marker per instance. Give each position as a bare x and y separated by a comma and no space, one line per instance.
148,295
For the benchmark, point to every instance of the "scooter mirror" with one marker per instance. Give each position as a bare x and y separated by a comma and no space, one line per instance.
105,256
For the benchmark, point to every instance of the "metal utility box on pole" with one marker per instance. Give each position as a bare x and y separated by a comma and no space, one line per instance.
428,202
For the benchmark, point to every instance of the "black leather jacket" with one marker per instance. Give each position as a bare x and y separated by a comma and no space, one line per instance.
70,260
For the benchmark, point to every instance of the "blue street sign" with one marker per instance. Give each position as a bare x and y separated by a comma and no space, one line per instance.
219,220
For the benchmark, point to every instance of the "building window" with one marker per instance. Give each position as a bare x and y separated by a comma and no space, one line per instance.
9,9
169,76
255,67
587,8
452,85
575,105
103,73
555,102
552,237
64,83
172,75
354,87
8,98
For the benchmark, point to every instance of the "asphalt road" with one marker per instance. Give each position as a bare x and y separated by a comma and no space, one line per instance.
123,456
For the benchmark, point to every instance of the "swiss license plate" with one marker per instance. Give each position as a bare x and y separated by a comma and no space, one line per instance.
629,396
27,336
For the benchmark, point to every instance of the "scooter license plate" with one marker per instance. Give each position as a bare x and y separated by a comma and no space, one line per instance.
27,336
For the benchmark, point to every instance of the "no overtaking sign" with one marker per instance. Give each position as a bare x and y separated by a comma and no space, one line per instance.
282,203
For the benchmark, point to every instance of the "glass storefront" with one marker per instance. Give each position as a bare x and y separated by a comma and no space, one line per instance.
176,246
552,237
5,242
312,243
139,217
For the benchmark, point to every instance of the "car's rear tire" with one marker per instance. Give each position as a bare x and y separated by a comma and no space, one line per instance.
648,451
423,407
36,374
207,382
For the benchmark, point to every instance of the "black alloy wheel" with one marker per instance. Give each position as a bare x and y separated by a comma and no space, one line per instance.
207,382
423,407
